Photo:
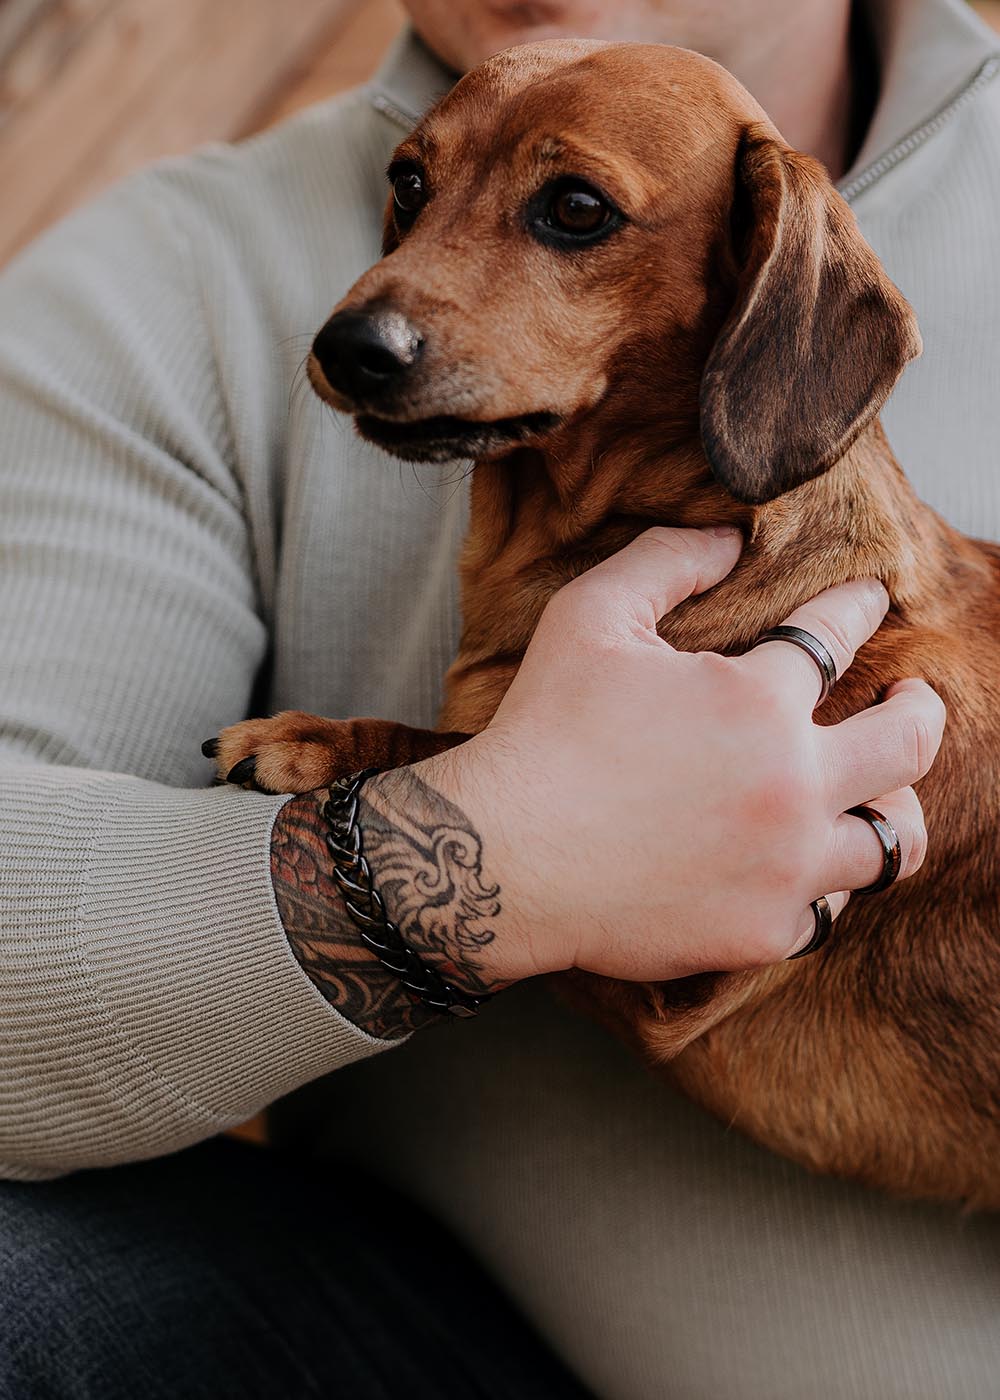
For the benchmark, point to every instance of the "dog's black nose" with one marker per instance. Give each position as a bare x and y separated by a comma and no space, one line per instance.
365,353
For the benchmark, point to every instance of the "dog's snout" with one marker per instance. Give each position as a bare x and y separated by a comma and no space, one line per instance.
361,353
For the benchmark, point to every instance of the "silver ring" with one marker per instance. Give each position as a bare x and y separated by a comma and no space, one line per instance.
822,924
813,647
892,855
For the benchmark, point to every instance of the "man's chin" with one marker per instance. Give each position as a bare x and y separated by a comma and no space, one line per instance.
444,439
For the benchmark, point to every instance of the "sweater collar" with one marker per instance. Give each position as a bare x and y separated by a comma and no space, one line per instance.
409,81
928,50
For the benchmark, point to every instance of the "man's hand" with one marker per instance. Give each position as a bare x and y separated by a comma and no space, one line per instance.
632,810
649,813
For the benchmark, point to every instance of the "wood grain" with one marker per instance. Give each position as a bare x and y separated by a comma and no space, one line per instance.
92,89
349,59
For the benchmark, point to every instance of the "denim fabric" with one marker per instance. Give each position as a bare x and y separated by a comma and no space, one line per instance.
227,1271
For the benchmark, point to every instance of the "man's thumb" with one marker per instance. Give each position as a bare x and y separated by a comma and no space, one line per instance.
662,567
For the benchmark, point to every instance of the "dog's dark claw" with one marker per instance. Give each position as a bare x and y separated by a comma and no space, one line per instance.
243,772
210,748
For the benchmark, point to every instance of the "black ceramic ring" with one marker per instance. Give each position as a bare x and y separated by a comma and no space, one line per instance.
813,647
823,917
892,855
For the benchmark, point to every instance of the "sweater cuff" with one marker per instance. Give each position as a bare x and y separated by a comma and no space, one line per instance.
168,1003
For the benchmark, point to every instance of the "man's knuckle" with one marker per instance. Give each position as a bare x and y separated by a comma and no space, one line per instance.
664,537
838,640
918,849
797,855
766,941
725,678
922,746
785,792
780,701
678,559
571,600
758,690
940,710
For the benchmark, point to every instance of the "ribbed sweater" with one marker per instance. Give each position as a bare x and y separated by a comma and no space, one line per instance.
186,537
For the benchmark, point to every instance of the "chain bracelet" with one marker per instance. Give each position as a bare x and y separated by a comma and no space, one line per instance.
364,904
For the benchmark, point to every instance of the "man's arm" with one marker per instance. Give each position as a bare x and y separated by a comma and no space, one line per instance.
148,996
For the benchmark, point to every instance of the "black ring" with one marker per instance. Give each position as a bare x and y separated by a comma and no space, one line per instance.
813,647
892,855
823,923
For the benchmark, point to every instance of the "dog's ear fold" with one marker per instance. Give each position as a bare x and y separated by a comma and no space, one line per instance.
817,335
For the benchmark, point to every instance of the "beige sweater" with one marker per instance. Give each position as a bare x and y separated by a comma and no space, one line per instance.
186,536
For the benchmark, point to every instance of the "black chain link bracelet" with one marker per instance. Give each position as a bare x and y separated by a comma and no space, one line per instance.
365,906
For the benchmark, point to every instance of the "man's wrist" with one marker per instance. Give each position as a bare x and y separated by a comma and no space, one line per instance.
474,781
430,868
439,883
321,933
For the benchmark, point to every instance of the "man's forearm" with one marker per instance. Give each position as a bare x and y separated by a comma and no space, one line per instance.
427,860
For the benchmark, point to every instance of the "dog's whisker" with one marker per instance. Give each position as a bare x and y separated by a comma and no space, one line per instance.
431,496
330,416
299,384
303,338
456,487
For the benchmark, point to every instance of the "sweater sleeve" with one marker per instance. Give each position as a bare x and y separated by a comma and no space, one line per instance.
148,996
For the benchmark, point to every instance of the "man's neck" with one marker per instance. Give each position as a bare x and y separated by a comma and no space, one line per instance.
799,68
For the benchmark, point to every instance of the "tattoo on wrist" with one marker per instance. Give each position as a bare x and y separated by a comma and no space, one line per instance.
426,858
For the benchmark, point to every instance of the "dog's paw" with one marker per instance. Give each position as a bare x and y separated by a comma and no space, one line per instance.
292,752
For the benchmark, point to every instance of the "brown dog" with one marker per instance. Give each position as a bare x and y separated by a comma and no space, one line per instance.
656,312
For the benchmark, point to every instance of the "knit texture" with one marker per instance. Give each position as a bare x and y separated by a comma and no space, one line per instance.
185,536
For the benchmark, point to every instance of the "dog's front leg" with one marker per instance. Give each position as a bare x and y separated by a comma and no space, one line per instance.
298,752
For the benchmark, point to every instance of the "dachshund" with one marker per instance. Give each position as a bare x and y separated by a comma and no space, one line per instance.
654,311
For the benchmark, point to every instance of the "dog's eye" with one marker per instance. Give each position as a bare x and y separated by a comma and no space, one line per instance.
578,211
570,212
409,192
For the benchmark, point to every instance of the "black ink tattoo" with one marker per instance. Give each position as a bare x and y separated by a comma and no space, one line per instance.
426,859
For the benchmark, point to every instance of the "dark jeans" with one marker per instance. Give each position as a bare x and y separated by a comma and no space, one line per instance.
227,1271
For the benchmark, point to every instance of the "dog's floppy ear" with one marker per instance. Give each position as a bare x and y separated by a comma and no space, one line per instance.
817,335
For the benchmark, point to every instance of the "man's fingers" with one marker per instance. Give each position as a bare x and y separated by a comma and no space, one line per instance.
654,573
886,748
842,618
857,859
807,924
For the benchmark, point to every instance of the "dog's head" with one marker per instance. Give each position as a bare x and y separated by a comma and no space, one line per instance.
582,228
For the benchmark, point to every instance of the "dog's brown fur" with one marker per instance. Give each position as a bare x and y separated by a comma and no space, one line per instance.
723,357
